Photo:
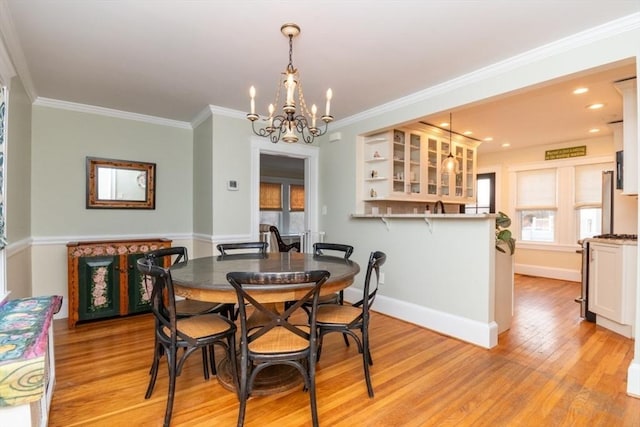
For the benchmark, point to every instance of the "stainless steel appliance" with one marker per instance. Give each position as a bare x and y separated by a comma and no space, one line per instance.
583,299
607,202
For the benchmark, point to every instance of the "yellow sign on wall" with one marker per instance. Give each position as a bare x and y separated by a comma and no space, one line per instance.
565,153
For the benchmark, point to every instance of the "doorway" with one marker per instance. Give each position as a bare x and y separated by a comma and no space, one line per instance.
285,154
485,194
282,195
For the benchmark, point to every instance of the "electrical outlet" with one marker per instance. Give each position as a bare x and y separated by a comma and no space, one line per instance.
381,280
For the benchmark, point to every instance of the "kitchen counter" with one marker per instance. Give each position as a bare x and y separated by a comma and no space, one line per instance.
447,275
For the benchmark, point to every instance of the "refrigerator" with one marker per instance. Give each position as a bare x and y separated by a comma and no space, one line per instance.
607,202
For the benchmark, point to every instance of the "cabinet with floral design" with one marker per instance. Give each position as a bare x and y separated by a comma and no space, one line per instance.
103,280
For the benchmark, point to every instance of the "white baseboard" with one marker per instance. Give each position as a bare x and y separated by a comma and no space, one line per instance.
478,333
549,272
633,378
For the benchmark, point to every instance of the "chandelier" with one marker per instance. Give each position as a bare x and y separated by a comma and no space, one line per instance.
450,164
283,126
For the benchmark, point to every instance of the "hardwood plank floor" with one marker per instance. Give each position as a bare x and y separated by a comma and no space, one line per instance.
550,369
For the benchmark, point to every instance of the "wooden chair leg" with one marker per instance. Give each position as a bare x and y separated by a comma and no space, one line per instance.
173,367
205,363
212,360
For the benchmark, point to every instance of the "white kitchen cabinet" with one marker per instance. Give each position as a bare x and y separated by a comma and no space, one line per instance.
406,165
612,281
393,162
628,90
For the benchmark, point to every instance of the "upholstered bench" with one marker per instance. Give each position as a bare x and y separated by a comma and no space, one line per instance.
27,373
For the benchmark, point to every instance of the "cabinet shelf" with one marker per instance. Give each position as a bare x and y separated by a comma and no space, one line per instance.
376,160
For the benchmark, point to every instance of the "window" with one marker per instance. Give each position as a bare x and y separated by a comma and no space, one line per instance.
588,199
282,204
296,209
3,142
558,202
270,196
536,204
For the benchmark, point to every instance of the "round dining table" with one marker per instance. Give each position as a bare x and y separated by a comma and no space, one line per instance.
205,279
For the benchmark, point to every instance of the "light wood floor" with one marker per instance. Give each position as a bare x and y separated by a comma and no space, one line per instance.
549,369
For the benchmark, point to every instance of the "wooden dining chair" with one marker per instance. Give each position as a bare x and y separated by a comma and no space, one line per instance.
188,333
278,340
190,307
347,319
282,246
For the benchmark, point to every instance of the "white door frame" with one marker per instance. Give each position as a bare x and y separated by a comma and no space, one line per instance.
310,155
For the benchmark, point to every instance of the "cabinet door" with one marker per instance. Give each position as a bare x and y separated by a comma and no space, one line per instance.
413,173
99,287
399,162
139,289
432,166
605,281
470,174
445,178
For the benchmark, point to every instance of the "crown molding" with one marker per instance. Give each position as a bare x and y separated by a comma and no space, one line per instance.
14,53
92,109
601,32
210,110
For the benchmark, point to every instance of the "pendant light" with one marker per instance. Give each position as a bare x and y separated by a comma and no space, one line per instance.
450,164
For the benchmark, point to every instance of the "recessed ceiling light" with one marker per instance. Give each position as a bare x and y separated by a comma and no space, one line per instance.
488,139
595,106
594,130
444,124
506,145
468,132
581,90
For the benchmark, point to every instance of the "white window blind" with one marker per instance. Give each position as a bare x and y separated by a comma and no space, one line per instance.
588,185
536,189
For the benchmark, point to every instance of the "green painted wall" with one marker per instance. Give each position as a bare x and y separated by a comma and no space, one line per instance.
61,141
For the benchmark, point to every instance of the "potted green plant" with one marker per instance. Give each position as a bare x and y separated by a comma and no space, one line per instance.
503,234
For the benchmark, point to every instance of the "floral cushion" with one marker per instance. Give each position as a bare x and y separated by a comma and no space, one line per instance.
24,325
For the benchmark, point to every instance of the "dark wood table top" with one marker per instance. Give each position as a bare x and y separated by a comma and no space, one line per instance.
205,279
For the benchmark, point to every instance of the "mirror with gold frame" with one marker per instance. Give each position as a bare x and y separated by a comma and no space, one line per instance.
120,184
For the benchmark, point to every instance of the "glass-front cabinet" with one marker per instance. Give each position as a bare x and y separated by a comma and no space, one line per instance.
393,165
405,164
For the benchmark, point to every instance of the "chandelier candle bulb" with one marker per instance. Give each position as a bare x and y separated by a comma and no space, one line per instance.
252,94
271,110
290,88
314,110
329,96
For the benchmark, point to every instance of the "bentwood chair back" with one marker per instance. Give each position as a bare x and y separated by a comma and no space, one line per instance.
349,319
330,249
243,247
190,307
277,340
173,333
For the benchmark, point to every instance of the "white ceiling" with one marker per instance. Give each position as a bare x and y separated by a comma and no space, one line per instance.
172,59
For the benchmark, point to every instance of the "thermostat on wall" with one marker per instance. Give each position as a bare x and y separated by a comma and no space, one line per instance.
232,185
